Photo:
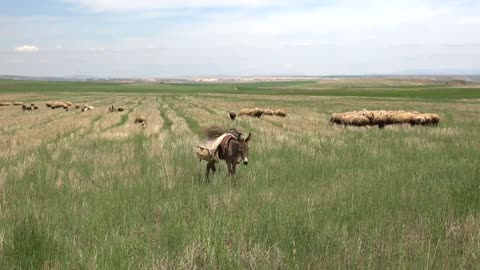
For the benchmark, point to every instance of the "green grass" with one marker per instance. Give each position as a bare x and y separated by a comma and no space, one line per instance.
318,197
304,88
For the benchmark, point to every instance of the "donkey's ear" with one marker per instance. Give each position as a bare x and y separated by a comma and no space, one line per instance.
249,137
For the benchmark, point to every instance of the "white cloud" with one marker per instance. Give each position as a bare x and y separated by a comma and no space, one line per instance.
27,48
341,37
145,5
96,49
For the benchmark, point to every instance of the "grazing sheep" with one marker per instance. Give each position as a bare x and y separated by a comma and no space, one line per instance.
369,114
360,121
17,103
77,107
347,119
35,107
69,104
428,119
141,119
280,113
244,112
435,118
380,119
232,115
6,104
48,104
268,112
87,108
417,120
24,107
120,109
336,118
56,105
401,118
257,112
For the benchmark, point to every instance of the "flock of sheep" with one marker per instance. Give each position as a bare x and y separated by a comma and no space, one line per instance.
365,117
258,112
117,109
383,118
52,105
67,105
140,119
6,104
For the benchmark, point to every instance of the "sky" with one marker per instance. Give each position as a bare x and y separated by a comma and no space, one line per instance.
162,38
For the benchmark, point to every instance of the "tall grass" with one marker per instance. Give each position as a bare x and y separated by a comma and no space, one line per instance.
314,196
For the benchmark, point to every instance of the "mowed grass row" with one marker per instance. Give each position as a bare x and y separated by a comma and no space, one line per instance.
314,196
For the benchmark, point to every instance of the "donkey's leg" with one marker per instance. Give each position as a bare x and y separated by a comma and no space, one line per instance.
234,168
234,179
229,168
209,167
214,169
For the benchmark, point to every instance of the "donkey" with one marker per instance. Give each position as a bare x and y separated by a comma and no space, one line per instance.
233,151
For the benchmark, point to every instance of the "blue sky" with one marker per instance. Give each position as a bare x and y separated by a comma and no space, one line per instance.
161,38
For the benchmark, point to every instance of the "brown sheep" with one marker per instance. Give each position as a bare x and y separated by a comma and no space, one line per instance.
24,107
77,107
435,119
280,113
48,104
87,108
360,121
369,114
6,104
401,118
17,103
257,112
336,118
56,105
232,115
417,120
268,112
244,112
35,107
380,119
346,119
141,119
428,119
120,109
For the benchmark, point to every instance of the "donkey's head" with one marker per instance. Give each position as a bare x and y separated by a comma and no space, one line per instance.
243,147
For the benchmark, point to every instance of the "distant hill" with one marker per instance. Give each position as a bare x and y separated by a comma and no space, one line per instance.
455,79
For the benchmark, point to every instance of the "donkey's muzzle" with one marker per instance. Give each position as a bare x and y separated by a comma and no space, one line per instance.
245,161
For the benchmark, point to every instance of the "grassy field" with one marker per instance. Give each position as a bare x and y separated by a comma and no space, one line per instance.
94,191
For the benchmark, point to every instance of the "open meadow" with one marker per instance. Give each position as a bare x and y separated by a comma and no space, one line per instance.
93,190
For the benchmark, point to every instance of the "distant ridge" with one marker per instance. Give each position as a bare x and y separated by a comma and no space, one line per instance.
240,79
